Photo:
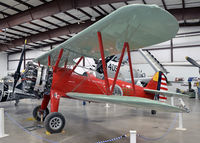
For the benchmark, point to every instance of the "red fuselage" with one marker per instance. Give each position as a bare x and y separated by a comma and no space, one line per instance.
64,81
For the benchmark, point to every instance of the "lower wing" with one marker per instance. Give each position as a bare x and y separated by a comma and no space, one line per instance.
165,93
126,100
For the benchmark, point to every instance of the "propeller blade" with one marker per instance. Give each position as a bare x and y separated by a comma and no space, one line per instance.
193,62
17,72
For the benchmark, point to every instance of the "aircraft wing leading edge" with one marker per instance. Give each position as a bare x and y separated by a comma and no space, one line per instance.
139,25
126,100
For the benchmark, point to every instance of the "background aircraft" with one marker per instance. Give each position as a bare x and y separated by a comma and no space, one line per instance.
112,63
12,81
193,62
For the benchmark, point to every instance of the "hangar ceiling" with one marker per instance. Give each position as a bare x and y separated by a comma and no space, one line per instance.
49,22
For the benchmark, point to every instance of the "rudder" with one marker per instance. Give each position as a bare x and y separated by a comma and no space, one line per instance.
158,82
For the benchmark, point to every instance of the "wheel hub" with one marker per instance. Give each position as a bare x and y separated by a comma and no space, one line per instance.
55,123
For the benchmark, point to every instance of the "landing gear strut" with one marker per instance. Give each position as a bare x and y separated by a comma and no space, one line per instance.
54,122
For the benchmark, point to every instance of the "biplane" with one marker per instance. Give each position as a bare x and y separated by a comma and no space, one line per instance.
128,28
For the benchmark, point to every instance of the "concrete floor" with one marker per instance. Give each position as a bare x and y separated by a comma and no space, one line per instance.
94,122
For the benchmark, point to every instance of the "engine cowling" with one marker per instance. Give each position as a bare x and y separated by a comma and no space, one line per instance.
37,79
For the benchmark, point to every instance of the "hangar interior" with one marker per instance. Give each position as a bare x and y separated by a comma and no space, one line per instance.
48,23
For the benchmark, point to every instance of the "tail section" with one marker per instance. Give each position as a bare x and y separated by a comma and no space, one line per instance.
163,87
158,82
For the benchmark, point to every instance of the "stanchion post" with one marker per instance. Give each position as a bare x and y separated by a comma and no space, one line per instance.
107,105
196,94
132,136
172,101
180,122
2,131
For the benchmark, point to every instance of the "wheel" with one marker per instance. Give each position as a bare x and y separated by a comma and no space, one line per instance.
153,112
54,122
37,113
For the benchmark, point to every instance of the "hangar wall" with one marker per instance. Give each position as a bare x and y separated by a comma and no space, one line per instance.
30,55
3,64
163,55
183,45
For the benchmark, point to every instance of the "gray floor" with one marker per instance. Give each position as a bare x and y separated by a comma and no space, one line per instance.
94,122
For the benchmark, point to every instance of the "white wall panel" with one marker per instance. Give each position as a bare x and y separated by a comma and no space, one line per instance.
36,53
182,41
136,57
13,59
163,55
185,72
189,29
180,54
175,71
30,54
3,65
13,66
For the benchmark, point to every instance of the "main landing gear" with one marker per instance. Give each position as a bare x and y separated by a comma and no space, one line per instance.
37,113
53,122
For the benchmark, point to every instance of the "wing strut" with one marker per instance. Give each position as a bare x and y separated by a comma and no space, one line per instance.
58,60
126,46
49,61
81,58
108,92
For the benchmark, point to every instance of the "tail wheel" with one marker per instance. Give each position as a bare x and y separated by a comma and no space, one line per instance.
37,113
54,122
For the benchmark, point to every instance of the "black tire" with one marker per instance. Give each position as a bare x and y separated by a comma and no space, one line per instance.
37,113
54,122
153,112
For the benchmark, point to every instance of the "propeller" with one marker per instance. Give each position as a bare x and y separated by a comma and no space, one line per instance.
193,62
17,72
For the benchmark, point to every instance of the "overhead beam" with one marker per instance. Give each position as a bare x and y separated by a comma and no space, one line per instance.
59,19
186,13
10,7
56,6
68,29
24,3
84,12
144,2
183,3
103,10
164,4
112,6
39,46
48,9
190,24
97,11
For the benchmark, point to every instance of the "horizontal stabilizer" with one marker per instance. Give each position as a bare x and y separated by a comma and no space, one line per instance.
127,100
166,93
